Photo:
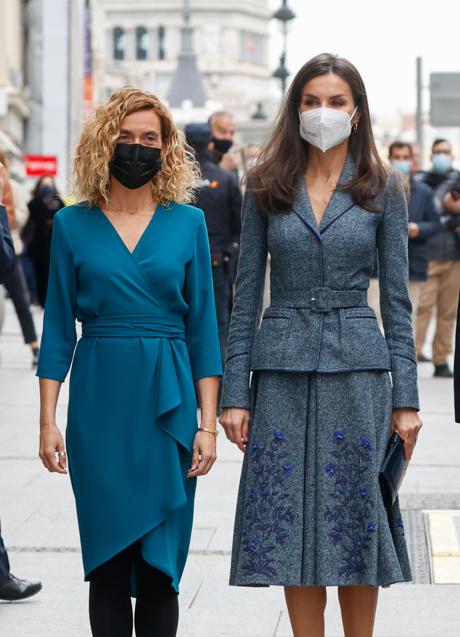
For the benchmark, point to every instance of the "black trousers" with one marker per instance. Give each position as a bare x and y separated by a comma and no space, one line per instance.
16,287
110,610
42,270
4,561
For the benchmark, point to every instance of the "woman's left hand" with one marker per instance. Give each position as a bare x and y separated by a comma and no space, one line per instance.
204,453
407,424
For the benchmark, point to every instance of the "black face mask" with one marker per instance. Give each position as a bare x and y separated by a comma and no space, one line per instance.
135,165
222,145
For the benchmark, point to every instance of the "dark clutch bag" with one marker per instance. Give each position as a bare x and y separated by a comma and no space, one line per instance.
392,471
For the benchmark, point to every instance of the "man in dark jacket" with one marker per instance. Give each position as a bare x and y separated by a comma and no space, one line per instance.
219,197
423,224
11,588
423,221
440,291
6,242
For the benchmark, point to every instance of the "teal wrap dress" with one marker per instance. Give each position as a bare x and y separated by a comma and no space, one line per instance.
149,331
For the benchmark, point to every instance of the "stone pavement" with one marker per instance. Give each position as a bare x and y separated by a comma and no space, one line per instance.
40,530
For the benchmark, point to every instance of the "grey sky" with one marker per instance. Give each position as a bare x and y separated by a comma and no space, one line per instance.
381,38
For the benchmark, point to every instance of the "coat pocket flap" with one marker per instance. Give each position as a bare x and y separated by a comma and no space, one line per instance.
359,312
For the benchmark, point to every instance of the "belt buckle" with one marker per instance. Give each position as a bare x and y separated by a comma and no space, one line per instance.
320,300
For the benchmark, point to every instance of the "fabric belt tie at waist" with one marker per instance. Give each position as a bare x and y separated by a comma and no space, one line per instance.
135,326
320,299
165,378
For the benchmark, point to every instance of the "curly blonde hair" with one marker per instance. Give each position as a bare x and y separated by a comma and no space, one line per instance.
179,172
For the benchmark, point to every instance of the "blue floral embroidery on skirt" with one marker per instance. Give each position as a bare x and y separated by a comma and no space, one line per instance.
351,511
269,512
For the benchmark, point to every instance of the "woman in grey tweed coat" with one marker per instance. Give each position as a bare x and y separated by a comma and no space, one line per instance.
315,419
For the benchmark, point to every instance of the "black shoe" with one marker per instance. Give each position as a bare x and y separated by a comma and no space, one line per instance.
443,371
13,589
35,355
421,358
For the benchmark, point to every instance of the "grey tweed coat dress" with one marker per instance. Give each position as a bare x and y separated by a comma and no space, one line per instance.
323,386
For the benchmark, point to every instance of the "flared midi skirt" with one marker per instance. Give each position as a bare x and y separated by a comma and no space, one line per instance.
309,510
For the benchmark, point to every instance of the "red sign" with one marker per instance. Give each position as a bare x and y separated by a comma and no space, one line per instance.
38,165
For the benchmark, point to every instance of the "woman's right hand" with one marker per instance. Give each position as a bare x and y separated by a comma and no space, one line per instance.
51,445
235,421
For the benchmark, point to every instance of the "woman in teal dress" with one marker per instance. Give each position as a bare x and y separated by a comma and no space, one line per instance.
132,264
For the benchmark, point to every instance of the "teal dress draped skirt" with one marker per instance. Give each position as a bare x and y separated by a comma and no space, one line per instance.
149,331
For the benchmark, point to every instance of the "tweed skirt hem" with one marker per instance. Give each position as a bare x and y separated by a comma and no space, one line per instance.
309,510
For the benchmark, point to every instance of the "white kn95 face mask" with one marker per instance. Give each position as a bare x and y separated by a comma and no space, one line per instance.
324,127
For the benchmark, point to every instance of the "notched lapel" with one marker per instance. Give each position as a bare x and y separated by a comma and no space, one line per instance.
302,208
341,200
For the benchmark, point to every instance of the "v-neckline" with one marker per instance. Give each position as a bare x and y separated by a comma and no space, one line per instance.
120,238
344,173
319,224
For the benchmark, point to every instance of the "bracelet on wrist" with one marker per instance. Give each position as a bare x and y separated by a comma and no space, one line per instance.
214,432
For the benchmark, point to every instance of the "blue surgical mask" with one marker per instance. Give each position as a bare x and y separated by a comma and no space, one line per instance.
404,166
442,163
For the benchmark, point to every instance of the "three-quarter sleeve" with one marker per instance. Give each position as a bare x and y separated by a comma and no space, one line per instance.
247,306
394,297
59,334
201,332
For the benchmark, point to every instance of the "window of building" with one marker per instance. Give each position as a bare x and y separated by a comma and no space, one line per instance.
119,43
252,48
161,42
142,45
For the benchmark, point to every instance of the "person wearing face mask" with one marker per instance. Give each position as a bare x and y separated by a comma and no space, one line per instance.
314,419
131,262
219,196
423,224
440,291
222,146
37,232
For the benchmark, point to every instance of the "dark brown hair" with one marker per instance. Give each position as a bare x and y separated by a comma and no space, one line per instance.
398,145
283,159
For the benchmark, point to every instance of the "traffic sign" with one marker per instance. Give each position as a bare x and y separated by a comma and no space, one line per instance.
39,165
445,99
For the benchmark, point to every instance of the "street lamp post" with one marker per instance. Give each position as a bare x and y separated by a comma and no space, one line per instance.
284,15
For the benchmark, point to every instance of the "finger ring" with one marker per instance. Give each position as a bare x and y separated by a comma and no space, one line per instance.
61,454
